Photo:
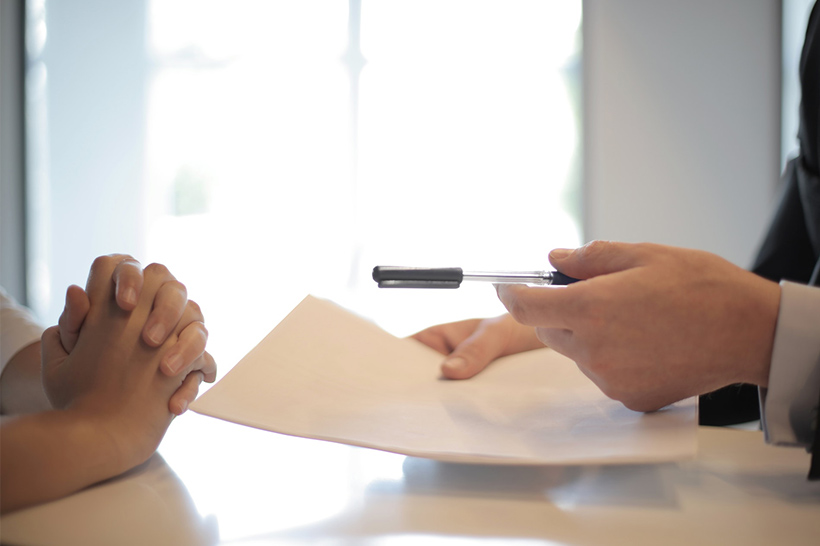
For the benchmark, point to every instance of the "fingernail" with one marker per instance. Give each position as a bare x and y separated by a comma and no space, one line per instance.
173,363
456,363
560,253
183,407
157,333
130,296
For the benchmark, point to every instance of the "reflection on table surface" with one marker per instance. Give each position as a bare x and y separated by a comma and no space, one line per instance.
214,482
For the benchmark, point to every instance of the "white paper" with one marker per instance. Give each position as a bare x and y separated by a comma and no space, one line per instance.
328,374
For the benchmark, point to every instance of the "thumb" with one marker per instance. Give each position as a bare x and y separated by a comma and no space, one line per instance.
53,352
73,316
597,258
54,375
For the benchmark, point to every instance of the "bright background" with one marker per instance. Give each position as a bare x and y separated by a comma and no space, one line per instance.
268,150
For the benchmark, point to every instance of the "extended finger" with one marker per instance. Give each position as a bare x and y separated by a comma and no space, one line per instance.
71,320
170,303
189,347
128,281
545,307
474,354
433,338
185,394
446,337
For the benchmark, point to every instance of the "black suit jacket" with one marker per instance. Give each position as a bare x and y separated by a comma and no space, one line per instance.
791,248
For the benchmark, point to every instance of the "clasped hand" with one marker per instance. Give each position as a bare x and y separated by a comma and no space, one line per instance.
131,346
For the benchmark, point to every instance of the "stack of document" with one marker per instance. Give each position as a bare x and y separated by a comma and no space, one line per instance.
328,374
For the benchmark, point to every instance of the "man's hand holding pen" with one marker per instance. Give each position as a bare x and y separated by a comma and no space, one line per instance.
650,325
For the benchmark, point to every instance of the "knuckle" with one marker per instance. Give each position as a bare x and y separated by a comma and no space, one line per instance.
472,353
519,310
594,248
129,267
181,288
100,273
196,336
194,308
102,262
156,269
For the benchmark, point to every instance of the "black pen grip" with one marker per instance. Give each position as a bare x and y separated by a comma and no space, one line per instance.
560,279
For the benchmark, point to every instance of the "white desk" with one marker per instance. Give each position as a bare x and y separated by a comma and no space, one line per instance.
221,483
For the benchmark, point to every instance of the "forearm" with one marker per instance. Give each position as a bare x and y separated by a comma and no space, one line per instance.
21,385
52,454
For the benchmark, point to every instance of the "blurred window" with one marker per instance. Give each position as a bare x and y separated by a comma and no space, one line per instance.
265,150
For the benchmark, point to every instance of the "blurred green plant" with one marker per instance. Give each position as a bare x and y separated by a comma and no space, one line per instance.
192,191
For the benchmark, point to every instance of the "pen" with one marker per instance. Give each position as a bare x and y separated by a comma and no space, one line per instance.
389,276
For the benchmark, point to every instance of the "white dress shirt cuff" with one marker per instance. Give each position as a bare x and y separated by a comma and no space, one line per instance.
789,405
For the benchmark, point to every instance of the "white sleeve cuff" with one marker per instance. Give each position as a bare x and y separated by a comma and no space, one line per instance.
789,404
18,329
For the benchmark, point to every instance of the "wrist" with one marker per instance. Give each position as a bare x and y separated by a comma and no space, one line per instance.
51,454
116,448
106,455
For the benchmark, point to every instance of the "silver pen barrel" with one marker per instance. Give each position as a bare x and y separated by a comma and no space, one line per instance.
510,277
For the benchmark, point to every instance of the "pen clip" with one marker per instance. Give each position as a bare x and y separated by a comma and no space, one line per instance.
417,277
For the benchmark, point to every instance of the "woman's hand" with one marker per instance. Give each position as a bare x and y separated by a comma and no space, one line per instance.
471,345
169,306
112,377
111,388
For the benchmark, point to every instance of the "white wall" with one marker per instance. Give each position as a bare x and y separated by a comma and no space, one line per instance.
12,247
86,100
682,122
